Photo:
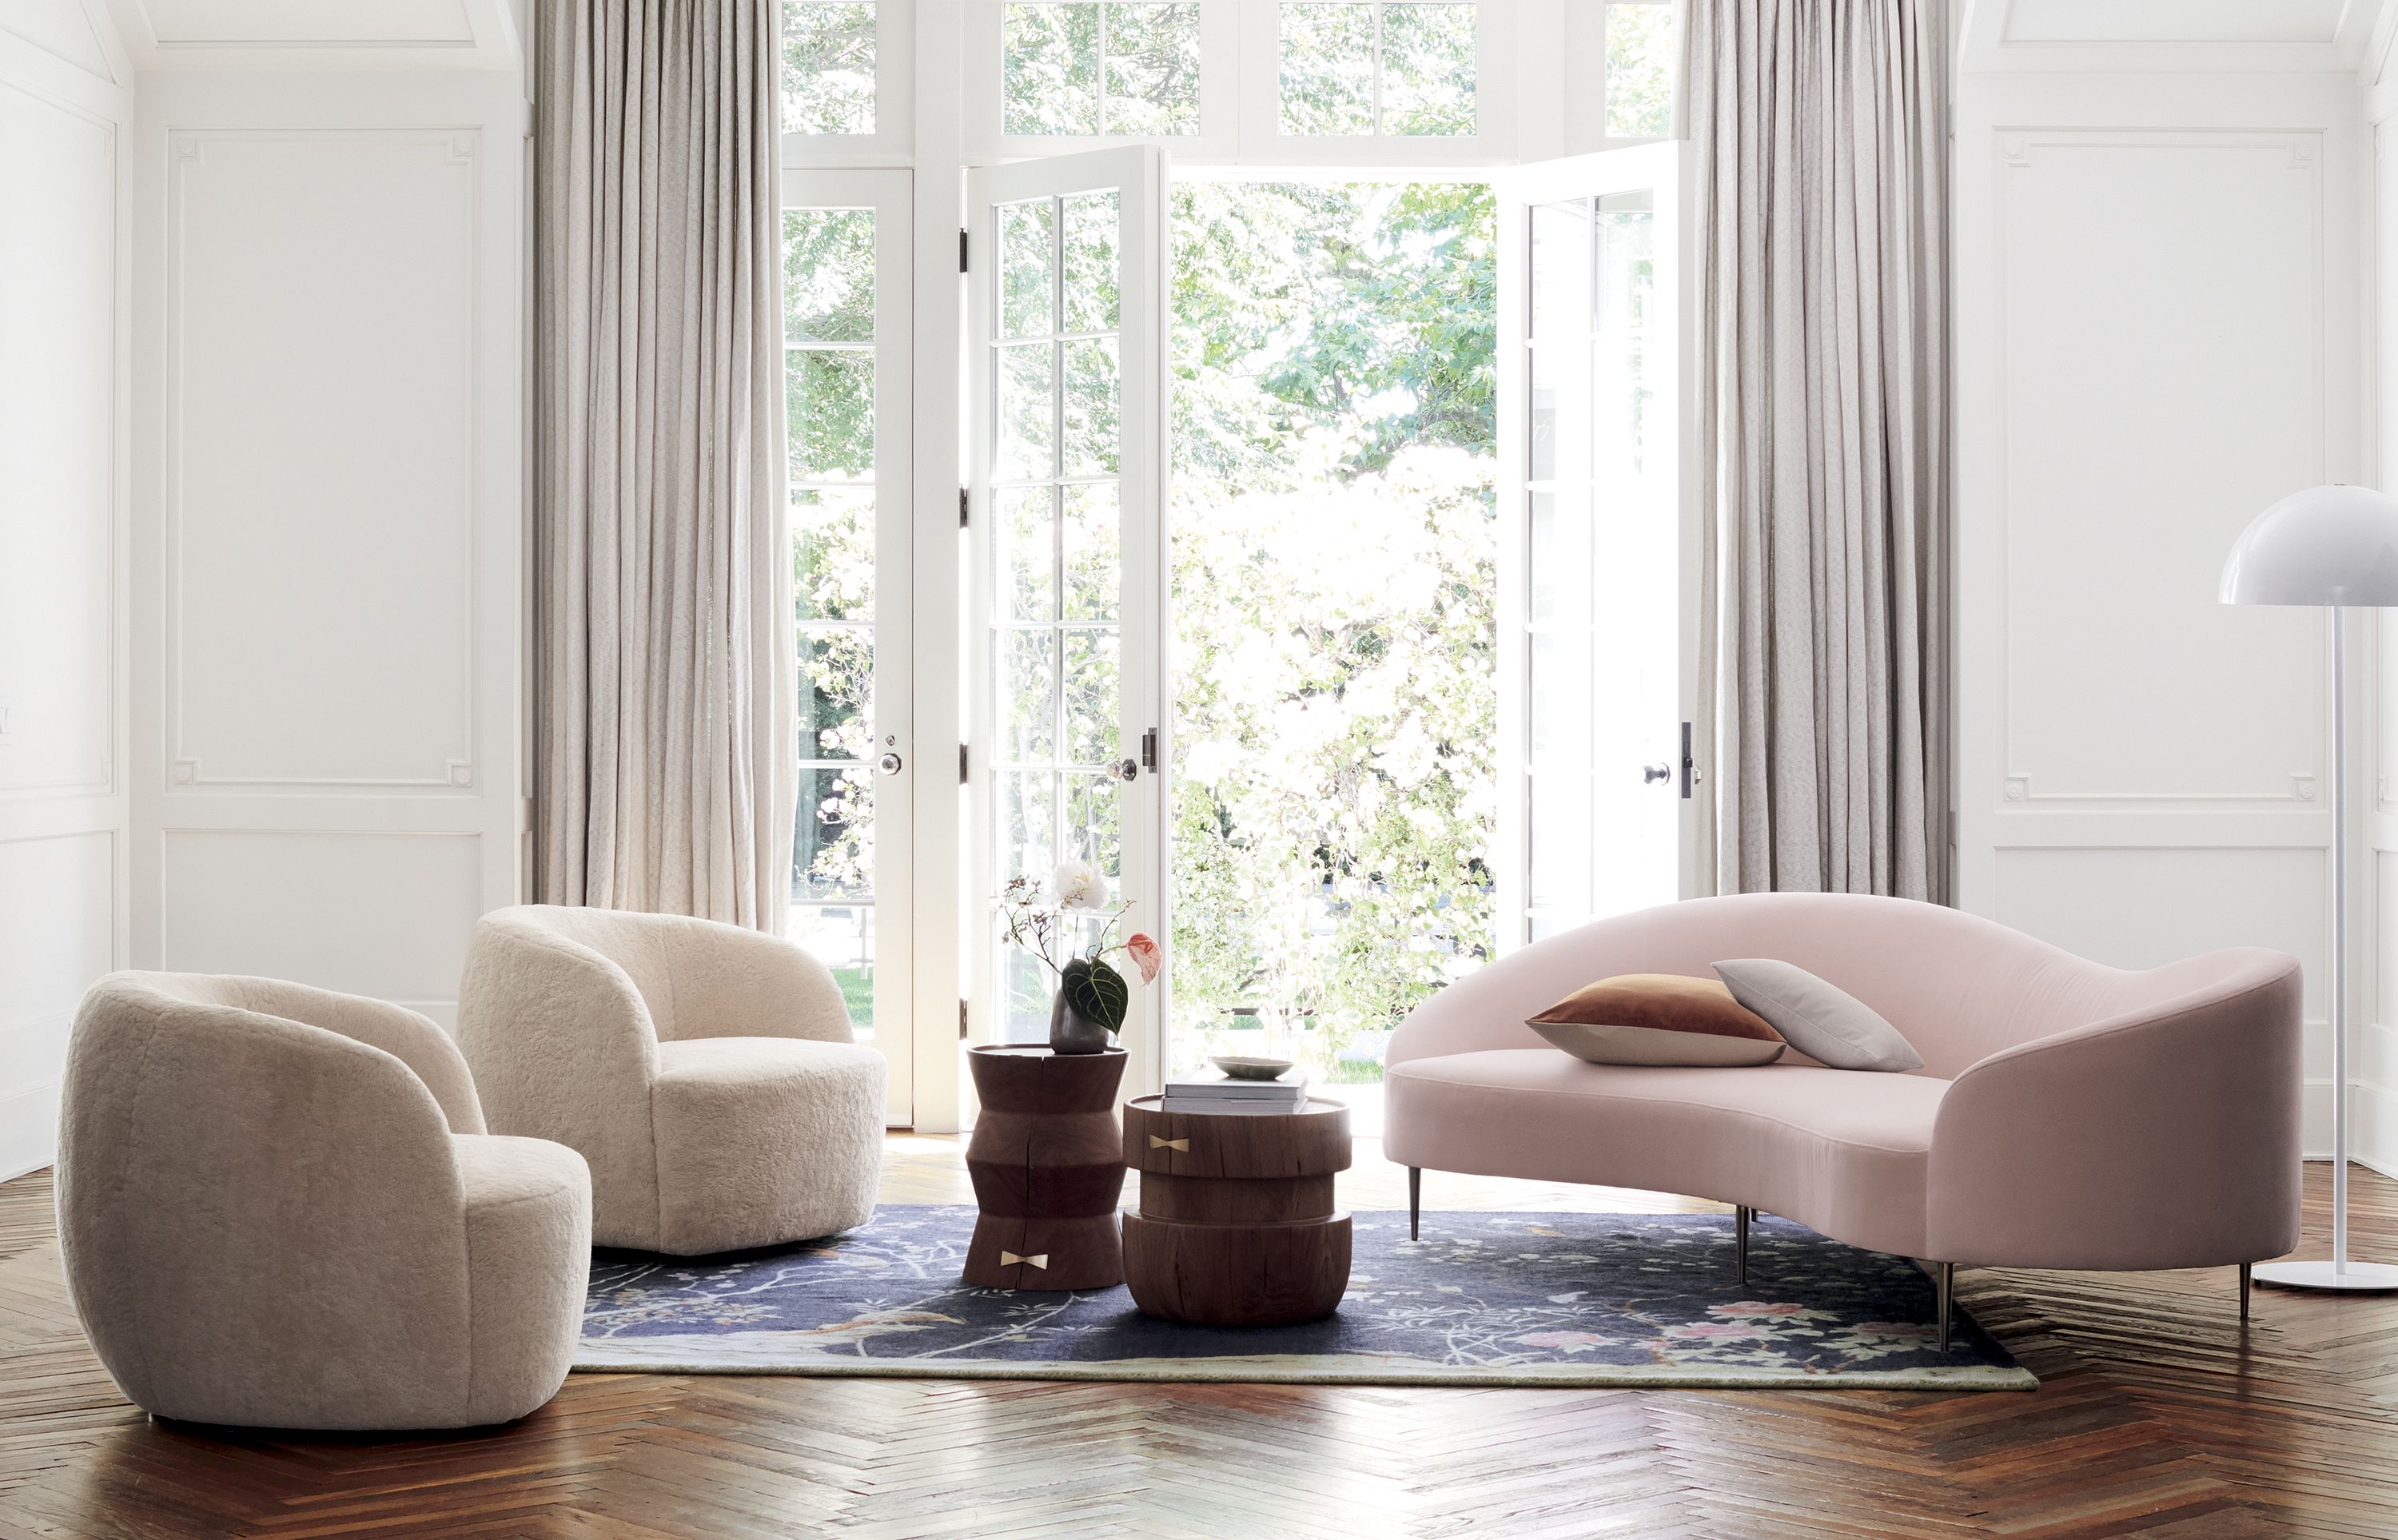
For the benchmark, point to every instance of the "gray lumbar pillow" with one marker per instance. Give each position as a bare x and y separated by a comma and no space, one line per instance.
1829,1025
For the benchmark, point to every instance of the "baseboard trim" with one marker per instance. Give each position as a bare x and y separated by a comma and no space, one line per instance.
28,1129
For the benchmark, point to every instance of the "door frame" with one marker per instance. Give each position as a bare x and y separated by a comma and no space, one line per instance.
1664,167
1140,173
900,1026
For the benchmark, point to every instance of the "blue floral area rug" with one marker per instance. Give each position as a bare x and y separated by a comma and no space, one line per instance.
1485,1299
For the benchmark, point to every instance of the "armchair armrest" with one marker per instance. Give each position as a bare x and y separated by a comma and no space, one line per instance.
414,1040
2166,1137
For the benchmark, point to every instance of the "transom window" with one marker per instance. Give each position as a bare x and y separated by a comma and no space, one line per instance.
1083,67
1639,69
1361,67
829,66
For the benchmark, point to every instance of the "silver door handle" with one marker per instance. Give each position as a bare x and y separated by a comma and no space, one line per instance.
889,764
1651,774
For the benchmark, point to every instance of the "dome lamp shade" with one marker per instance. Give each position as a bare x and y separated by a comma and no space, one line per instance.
2326,546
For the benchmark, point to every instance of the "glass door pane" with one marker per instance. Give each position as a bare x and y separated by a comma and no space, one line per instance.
845,361
1597,631
1064,307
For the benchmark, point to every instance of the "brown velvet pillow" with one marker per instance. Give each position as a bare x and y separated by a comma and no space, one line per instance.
1657,1019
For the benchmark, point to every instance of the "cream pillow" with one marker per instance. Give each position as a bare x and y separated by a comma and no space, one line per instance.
1828,1024
1657,1019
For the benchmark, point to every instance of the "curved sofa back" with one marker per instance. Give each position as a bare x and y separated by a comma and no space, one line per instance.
1958,987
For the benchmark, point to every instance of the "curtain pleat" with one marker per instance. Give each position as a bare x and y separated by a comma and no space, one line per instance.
663,662
1819,132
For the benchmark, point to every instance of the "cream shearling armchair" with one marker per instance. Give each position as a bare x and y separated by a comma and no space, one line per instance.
278,1209
706,1072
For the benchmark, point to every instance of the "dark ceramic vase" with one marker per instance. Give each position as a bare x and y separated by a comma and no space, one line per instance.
1071,1032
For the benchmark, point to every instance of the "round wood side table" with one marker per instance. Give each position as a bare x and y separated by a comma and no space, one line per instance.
1237,1224
1047,1165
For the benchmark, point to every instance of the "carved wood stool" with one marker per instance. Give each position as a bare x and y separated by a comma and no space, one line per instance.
1048,1167
1237,1224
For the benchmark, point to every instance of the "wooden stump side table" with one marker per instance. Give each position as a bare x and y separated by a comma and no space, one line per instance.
1047,1165
1237,1224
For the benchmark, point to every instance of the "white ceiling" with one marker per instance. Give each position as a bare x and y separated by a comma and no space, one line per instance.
182,34
2171,35
2301,22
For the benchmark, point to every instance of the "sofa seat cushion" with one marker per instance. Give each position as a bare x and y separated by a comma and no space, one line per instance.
764,1140
1846,1152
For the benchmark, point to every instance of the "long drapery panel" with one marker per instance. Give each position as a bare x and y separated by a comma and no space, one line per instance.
663,659
1819,132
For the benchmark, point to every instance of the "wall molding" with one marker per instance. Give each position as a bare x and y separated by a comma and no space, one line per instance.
2020,150
449,773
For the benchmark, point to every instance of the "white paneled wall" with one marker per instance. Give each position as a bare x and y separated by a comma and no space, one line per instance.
328,523
62,815
2159,309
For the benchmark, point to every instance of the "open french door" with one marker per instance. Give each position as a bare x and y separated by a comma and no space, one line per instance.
846,352
1599,560
1066,586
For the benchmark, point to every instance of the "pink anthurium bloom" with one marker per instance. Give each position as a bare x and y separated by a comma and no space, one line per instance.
1146,956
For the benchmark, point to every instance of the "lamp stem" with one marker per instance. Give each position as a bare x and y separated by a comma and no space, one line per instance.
2339,938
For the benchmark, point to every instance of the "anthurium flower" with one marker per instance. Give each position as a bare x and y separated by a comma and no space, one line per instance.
1146,955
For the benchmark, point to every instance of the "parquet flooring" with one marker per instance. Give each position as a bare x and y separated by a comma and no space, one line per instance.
2156,1416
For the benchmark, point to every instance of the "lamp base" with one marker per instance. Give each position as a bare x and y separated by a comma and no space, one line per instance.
2352,1278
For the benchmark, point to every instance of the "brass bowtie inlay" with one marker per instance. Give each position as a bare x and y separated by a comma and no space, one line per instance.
1157,1144
1009,1259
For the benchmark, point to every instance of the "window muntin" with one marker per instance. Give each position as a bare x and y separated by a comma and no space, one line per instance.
1085,68
1397,68
829,293
1057,643
829,66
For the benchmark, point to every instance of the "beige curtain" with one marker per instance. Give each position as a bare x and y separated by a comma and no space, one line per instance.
663,653
1819,130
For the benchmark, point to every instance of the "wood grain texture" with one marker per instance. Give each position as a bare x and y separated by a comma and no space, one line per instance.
1046,1163
2156,1416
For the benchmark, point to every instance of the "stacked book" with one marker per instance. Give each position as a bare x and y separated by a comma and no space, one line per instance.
1253,1096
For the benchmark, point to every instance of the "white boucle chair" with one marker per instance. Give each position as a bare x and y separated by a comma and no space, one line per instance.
706,1072
279,1209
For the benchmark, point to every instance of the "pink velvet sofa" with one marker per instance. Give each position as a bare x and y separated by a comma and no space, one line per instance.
2068,1115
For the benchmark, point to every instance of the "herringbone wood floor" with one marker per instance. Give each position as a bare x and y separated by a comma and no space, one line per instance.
2155,1417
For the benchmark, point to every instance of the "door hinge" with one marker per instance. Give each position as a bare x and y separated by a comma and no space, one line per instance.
962,764
1148,750
961,1020
962,507
1690,763
962,252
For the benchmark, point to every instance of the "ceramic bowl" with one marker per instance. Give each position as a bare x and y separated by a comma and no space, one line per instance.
1252,1069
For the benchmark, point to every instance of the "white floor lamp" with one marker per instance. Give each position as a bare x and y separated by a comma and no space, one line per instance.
2333,547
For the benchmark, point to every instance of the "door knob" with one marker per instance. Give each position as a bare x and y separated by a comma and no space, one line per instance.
1125,770
1651,774
889,764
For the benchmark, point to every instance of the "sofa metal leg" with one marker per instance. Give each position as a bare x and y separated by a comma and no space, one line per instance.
1741,1216
1415,1202
2245,1269
1945,1278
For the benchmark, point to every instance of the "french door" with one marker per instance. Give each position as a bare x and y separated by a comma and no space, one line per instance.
1598,567
845,352
1066,591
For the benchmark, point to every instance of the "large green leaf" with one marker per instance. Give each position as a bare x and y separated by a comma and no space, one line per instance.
1097,991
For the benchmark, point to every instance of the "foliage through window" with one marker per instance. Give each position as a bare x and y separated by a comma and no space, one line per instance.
1334,571
828,362
1363,67
829,66
1083,67
1639,69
